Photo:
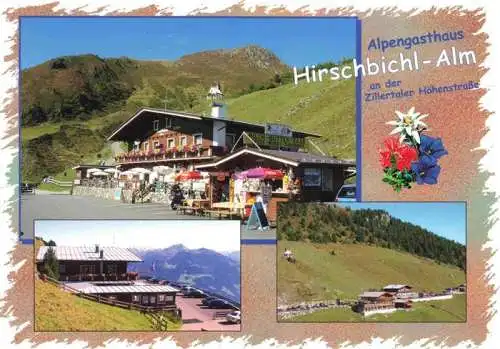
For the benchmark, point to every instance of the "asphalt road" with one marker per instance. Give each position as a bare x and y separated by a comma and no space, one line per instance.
65,206
192,309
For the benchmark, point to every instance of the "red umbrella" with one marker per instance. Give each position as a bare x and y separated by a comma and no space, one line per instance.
264,173
185,176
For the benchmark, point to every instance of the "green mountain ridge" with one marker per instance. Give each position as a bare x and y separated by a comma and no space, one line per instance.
334,224
70,100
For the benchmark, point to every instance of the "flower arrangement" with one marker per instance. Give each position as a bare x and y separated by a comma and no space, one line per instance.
194,148
413,156
186,149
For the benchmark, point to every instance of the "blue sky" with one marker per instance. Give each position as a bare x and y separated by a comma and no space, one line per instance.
221,236
447,219
297,41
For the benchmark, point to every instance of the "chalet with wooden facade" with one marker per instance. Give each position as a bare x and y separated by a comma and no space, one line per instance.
181,139
216,144
400,291
101,273
376,297
91,263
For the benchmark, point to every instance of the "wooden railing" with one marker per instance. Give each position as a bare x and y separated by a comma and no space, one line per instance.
221,314
99,277
114,302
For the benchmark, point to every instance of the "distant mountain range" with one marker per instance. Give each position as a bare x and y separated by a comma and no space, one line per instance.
204,268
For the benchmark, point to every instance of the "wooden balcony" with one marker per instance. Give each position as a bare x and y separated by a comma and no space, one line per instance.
171,155
99,277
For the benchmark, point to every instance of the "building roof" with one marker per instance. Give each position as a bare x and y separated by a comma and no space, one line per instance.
287,157
308,158
93,289
86,166
186,115
374,294
396,287
87,253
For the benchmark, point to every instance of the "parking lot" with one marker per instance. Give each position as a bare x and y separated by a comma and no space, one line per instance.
192,310
84,207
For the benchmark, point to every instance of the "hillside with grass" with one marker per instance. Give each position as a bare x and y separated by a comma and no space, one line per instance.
326,108
353,269
56,310
334,223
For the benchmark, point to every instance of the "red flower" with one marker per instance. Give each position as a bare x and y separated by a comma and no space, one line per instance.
402,154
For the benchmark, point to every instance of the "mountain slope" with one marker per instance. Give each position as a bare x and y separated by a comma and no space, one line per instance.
333,223
319,275
203,268
327,108
71,87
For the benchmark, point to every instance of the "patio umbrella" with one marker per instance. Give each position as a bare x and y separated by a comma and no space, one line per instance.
162,169
111,170
90,170
170,178
240,175
264,173
100,173
190,175
140,170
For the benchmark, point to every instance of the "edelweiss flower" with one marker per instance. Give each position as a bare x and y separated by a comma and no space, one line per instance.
408,125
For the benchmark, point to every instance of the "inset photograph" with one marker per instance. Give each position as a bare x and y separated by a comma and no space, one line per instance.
119,275
175,121
372,262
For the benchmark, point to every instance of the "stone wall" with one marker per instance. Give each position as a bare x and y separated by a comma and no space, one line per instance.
434,298
381,311
127,195
102,193
160,198
111,194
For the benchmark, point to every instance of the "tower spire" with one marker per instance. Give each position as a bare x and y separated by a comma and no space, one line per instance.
216,97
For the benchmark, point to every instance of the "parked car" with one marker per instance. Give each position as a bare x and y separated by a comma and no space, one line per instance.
208,299
194,293
28,188
347,193
220,304
234,317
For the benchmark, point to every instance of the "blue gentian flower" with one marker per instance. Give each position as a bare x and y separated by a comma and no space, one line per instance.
431,149
426,172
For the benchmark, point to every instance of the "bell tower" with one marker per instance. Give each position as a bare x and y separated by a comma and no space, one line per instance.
216,98
218,113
